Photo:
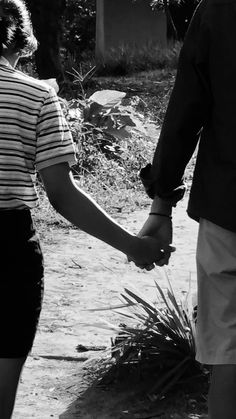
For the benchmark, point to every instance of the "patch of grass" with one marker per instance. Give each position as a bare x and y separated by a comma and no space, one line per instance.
127,60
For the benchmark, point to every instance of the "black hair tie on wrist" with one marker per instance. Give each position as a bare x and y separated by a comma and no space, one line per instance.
162,215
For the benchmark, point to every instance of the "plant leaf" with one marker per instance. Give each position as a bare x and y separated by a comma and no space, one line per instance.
107,98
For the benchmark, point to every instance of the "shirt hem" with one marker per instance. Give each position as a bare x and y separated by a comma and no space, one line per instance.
61,159
220,359
196,216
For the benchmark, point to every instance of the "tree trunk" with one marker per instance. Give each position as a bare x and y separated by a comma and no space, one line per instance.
171,29
46,19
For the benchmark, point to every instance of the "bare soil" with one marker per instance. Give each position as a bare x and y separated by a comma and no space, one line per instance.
84,273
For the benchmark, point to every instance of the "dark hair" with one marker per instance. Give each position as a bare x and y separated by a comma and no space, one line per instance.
16,30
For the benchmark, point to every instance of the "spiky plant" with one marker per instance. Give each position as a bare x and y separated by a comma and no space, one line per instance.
160,340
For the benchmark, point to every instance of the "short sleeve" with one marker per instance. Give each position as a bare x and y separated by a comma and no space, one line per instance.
54,139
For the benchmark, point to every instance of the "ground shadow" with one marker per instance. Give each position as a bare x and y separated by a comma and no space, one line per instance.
125,396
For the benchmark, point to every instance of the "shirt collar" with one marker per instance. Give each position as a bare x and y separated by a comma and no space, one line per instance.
5,62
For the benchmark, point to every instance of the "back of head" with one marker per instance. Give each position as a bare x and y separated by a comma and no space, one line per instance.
16,31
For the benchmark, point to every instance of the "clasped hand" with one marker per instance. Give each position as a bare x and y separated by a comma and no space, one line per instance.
154,246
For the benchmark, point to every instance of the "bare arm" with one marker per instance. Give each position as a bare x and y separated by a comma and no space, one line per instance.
81,210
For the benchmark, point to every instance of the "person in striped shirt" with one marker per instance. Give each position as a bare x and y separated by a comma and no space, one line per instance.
34,137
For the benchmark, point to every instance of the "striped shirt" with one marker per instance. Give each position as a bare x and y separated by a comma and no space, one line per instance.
33,135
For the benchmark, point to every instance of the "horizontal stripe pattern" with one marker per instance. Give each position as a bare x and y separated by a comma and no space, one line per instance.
33,135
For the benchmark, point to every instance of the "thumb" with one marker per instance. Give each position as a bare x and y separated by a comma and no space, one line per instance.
170,248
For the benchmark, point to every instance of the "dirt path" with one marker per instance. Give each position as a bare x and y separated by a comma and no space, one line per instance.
83,273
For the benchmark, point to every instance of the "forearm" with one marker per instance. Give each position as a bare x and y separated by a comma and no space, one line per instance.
187,113
81,210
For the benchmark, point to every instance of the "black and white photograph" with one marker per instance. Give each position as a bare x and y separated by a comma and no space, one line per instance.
117,209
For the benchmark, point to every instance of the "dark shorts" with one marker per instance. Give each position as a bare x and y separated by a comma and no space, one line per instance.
21,283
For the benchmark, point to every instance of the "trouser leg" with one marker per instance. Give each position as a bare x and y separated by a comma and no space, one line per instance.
222,394
10,370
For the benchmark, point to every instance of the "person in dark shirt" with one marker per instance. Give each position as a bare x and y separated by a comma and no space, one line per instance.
202,112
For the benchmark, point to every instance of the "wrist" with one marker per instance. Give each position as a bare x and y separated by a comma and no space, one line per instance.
161,206
161,214
133,246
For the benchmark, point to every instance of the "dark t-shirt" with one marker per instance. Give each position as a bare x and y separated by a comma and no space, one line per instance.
202,107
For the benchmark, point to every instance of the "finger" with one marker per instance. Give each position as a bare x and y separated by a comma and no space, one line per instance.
169,248
141,266
146,266
150,267
162,262
165,259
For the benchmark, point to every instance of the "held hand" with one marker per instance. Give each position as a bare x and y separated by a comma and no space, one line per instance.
146,253
160,227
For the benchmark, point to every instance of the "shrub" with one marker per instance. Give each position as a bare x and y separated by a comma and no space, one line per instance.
108,132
